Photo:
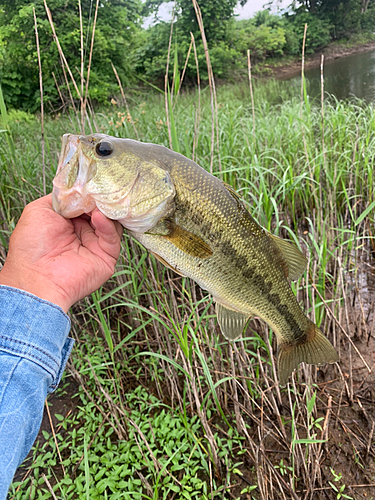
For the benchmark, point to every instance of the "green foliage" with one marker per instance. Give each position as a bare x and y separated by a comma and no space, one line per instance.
318,32
263,40
215,13
115,41
368,20
151,58
346,18
142,53
338,490
227,54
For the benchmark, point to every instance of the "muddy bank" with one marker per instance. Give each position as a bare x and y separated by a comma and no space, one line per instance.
330,52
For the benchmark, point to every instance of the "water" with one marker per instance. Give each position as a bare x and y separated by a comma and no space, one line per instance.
345,77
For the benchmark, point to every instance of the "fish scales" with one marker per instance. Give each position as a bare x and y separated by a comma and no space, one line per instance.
239,245
196,225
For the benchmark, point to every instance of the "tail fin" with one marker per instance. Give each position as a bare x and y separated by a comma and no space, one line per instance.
315,350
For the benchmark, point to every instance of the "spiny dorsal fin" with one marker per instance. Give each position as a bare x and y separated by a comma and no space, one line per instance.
232,323
232,191
294,258
315,349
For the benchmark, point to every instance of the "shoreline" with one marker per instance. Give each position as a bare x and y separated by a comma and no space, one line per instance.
331,52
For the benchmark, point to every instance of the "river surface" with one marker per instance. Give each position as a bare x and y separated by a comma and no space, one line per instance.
344,77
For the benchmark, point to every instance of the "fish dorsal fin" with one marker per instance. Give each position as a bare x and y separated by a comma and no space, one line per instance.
232,323
184,240
293,257
232,191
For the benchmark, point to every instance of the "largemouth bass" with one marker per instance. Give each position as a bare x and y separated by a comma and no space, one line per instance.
197,226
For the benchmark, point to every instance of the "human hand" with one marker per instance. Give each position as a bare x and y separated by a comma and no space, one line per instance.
57,259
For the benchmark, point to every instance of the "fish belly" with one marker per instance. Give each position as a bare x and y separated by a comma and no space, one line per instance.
246,289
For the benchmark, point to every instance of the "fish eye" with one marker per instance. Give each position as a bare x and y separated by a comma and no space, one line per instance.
104,148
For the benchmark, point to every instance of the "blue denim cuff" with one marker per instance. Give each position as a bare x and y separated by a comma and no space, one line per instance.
35,329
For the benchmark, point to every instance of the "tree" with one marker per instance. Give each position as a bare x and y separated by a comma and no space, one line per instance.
215,13
217,17
118,23
344,17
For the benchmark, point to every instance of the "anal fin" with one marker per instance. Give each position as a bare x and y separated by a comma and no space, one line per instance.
232,323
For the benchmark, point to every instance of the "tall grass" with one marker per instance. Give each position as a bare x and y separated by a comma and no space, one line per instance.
159,331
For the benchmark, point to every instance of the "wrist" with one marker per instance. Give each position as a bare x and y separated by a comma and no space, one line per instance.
32,282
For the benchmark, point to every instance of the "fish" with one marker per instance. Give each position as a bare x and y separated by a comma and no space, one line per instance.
196,225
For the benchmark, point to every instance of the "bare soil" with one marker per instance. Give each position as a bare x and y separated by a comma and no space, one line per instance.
61,403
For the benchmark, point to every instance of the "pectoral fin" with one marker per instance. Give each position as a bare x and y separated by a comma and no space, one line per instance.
232,323
184,240
293,257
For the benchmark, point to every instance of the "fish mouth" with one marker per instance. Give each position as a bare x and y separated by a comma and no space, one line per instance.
74,170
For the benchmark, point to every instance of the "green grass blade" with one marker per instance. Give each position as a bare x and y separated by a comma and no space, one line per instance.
175,144
87,469
4,117
176,74
165,358
365,213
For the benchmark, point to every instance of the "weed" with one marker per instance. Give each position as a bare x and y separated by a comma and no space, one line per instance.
339,490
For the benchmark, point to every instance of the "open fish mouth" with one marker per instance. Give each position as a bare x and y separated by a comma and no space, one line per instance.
104,172
74,170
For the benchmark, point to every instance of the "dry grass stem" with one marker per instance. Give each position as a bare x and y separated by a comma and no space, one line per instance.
82,67
125,101
322,101
49,487
185,66
198,111
251,89
90,58
303,68
302,95
41,102
342,329
54,436
58,89
166,82
211,82
61,53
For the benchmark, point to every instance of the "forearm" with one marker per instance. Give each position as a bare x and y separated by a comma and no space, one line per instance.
31,281
34,349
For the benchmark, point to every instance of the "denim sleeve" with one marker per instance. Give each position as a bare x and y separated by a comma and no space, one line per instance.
34,349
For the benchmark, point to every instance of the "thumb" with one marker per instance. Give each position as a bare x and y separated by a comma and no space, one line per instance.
109,233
